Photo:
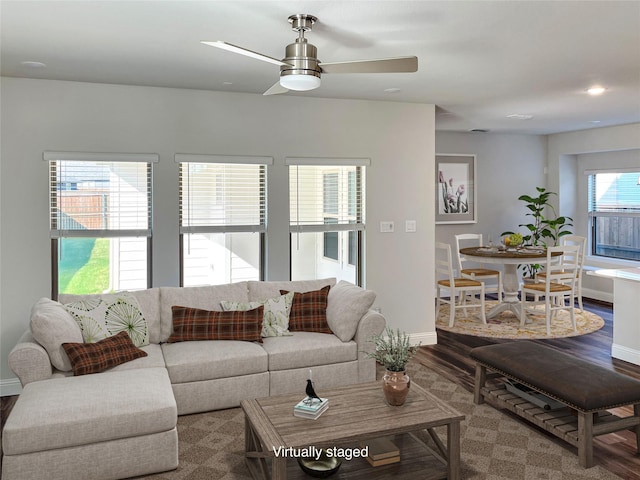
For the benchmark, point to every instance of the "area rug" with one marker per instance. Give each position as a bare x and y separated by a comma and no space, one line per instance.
494,445
507,325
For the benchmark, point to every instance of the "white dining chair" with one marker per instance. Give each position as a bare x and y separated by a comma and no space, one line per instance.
557,288
457,287
477,272
581,242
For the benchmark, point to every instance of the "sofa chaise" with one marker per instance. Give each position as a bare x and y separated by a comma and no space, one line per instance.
121,422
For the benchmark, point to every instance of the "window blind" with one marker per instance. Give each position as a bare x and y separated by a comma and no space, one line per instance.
614,193
327,197
92,197
218,197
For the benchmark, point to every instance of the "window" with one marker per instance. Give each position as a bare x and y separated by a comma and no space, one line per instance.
100,221
327,218
614,212
222,202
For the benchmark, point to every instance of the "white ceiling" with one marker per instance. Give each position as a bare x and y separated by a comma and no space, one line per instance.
479,61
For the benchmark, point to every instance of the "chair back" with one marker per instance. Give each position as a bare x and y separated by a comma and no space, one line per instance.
564,270
581,243
464,240
444,266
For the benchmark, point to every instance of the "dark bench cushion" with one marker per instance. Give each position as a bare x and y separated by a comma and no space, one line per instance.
578,383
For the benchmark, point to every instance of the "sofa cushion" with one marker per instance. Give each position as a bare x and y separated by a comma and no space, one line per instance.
275,322
309,311
213,359
106,315
198,324
148,302
308,349
67,412
264,290
346,305
97,357
206,298
51,326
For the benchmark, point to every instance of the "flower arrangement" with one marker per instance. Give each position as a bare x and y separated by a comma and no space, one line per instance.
393,350
452,203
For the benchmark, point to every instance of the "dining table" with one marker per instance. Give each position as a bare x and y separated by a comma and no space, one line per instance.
509,258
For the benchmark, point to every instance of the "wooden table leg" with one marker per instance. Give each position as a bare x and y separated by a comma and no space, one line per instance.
453,447
481,378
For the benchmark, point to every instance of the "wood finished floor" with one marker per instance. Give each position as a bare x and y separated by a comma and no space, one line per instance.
616,451
450,358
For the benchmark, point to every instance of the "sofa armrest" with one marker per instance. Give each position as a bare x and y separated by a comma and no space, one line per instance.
371,325
29,360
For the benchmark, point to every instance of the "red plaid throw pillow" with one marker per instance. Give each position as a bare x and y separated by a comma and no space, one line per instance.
97,357
309,311
196,324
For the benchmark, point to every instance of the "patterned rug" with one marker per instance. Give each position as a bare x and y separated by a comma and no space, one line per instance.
507,325
494,445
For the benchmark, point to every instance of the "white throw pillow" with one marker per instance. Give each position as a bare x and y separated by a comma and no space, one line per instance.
275,321
105,315
346,305
51,326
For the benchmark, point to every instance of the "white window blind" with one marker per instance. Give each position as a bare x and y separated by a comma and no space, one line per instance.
100,195
614,194
327,195
222,193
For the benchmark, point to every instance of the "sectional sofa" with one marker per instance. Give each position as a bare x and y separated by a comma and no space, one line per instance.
121,422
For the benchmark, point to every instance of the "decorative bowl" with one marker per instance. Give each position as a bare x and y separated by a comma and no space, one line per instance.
324,467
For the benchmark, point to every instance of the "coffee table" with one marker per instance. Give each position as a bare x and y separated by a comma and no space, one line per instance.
356,414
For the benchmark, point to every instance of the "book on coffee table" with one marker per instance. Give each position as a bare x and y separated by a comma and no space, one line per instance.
310,408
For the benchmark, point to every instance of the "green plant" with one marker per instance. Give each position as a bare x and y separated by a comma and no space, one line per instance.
393,350
542,230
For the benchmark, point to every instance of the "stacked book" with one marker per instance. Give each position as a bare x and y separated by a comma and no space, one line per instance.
382,451
311,408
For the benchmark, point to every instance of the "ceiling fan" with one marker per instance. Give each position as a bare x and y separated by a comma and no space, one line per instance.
300,70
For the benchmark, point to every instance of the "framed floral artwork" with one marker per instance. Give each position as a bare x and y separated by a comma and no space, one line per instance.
456,188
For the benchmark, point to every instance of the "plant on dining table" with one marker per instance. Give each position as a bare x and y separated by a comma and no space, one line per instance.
542,230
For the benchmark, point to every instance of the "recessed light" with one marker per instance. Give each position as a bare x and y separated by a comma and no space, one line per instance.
520,116
32,64
594,121
391,90
596,90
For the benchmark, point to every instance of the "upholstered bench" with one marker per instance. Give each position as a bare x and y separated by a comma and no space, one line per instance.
587,390
114,425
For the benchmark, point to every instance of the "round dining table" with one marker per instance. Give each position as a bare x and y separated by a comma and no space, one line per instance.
509,258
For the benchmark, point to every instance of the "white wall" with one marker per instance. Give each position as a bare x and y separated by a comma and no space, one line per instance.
569,154
39,115
507,166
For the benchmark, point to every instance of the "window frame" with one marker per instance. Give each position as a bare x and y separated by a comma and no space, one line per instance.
260,228
53,158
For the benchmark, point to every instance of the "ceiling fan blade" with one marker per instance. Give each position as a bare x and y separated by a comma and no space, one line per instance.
243,51
382,65
276,89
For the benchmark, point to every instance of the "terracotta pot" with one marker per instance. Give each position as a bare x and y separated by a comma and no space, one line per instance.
395,386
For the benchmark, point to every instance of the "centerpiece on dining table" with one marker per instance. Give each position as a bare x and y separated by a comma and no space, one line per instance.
512,241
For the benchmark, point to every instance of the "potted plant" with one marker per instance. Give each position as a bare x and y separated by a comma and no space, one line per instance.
542,230
393,351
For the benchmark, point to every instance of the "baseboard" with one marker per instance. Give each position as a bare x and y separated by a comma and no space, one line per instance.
9,387
597,294
425,338
625,353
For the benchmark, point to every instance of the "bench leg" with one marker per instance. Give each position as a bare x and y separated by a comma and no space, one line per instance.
481,378
636,413
585,439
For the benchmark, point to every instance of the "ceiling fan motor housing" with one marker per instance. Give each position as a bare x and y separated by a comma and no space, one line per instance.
303,58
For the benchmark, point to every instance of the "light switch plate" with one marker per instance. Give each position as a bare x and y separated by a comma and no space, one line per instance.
410,226
386,227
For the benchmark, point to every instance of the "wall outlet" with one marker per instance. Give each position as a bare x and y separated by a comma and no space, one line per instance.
386,227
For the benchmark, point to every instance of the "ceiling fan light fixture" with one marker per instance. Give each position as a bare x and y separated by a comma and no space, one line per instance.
300,82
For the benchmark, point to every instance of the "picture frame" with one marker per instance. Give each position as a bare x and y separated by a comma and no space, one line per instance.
456,188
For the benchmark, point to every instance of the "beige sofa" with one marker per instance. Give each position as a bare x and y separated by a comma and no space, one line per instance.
122,422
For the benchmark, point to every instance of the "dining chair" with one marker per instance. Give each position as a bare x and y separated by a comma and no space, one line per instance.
457,287
476,272
558,286
581,242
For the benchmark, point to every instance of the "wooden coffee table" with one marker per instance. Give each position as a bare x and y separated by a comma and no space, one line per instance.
356,414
